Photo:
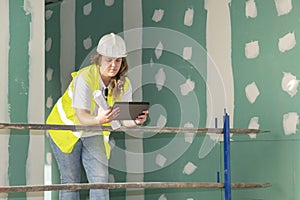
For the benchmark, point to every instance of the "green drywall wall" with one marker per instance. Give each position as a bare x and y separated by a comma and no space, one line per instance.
267,69
266,161
271,157
177,108
18,94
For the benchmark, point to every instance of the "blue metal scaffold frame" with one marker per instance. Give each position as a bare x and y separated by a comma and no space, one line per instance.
227,172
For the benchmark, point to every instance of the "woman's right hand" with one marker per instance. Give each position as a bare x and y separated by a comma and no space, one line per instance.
106,116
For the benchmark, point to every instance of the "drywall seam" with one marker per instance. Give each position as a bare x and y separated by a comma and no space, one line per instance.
220,87
133,19
4,51
4,115
36,98
67,48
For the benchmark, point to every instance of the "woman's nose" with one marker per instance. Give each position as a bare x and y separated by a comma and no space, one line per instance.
113,63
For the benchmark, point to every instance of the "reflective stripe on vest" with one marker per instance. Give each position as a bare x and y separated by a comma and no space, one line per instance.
64,118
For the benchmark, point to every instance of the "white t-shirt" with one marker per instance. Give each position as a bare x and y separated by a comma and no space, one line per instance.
82,97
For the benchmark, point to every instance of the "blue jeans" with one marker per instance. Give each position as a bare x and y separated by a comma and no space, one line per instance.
90,151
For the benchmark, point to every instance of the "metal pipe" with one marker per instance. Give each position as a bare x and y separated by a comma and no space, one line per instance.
227,173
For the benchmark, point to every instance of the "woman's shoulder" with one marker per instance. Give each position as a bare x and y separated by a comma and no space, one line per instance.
127,83
88,72
88,69
126,79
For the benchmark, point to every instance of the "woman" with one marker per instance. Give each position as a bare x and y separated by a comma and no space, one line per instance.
77,106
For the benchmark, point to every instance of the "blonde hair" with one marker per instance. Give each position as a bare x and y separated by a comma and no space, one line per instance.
118,81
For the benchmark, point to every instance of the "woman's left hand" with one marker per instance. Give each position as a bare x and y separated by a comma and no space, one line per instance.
141,118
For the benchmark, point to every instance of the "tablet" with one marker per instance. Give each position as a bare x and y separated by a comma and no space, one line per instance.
130,110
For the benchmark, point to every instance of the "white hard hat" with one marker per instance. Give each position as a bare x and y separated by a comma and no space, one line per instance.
112,45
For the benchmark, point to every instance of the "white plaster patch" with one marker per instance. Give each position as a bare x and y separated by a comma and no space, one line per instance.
111,178
253,124
49,158
49,102
214,136
252,92
290,122
189,199
151,62
158,50
109,2
287,42
48,14
189,17
127,123
87,9
158,15
161,121
189,137
49,73
47,175
160,160
251,10
155,111
27,7
187,53
187,87
160,78
48,44
252,49
162,197
283,7
87,43
210,140
189,168
112,142
289,84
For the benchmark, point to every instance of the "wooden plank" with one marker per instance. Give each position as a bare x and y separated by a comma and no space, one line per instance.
85,186
23,126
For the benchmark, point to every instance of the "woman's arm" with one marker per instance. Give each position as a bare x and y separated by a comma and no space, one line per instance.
103,116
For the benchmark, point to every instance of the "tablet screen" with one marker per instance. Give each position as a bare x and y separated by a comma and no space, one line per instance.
130,110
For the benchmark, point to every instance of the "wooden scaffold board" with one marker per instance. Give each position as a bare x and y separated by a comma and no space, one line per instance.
24,126
85,186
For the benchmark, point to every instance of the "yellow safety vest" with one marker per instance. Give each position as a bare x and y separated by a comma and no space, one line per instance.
63,112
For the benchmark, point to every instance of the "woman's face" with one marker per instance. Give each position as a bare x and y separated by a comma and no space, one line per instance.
110,66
